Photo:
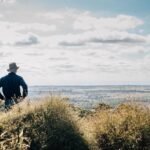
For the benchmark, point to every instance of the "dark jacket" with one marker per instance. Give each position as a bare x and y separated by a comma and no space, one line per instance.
11,86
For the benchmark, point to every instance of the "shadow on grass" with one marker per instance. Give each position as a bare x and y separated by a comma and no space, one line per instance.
49,127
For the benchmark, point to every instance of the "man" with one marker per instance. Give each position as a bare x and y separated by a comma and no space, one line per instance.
11,86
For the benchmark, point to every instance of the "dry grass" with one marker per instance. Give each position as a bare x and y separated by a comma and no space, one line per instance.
125,128
53,123
49,124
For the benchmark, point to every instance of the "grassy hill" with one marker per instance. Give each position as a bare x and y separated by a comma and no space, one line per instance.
54,124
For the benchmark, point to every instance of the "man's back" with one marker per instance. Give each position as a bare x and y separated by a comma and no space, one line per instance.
11,86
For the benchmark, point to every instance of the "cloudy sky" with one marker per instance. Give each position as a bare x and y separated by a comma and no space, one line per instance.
76,42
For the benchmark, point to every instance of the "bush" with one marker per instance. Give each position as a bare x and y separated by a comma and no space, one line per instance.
125,128
102,106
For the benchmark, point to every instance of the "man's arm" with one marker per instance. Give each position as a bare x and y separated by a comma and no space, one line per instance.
1,96
24,86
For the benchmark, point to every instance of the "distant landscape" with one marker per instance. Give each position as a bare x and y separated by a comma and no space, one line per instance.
89,96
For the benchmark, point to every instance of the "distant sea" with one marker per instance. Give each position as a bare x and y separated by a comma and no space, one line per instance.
88,96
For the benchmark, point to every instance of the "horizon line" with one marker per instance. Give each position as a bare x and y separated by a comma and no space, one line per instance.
94,85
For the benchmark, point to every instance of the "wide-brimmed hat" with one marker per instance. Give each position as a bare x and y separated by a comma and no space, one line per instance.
12,67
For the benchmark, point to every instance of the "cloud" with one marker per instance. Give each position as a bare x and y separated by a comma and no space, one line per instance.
1,16
106,68
64,46
8,1
86,21
117,40
84,28
105,37
31,54
16,33
12,29
34,26
51,15
75,43
28,41
69,68
17,26
136,55
58,58
59,15
2,54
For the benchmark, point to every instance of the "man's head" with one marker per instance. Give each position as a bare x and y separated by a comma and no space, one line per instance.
13,67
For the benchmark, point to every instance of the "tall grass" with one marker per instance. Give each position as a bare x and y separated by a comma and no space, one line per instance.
54,124
125,128
43,126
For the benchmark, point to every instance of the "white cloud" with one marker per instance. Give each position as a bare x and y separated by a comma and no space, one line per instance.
17,26
28,40
1,16
17,33
35,26
64,47
8,1
51,15
60,14
122,22
104,37
9,37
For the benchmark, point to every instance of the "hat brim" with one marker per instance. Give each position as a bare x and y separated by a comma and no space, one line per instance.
12,69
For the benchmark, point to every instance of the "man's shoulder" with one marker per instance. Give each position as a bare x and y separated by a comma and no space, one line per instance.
9,75
4,77
18,76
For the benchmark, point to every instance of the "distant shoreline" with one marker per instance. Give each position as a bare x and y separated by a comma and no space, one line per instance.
90,85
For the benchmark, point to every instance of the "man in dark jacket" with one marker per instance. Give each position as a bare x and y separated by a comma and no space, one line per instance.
11,86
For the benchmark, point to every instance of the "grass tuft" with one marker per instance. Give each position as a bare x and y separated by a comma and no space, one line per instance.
126,127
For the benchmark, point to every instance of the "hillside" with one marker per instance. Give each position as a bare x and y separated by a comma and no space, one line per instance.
53,123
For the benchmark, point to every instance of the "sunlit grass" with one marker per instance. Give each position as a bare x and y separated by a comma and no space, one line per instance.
126,127
52,123
48,124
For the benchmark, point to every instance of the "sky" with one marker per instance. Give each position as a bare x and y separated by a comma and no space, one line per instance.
76,42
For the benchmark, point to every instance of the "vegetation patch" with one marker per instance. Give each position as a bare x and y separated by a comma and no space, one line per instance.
49,125
53,123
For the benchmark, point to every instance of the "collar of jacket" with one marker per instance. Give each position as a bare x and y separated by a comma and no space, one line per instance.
12,73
